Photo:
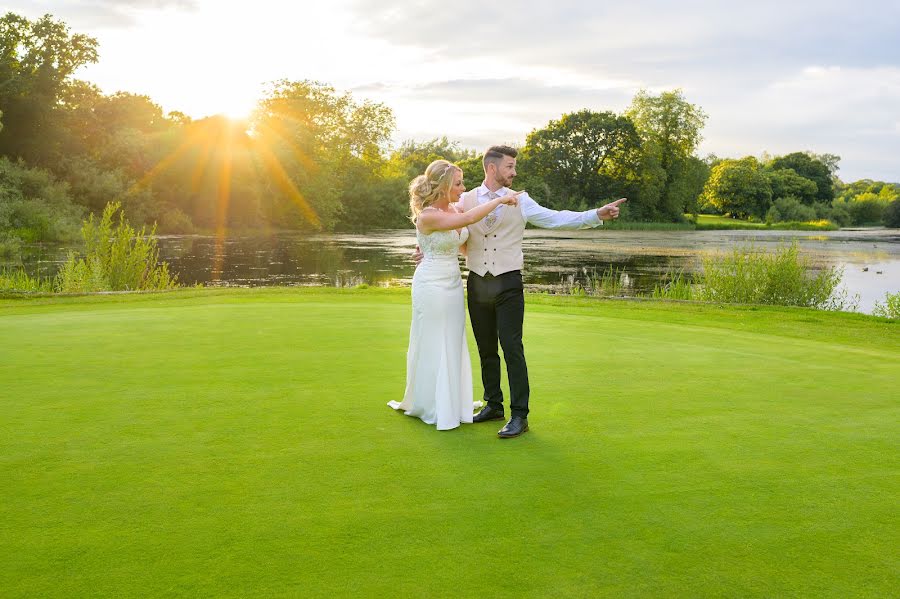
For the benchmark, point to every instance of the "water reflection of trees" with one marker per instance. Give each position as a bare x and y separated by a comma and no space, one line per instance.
283,260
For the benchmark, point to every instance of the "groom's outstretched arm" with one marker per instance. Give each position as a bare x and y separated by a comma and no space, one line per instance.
546,218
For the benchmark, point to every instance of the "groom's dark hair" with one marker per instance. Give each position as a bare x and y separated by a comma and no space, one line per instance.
495,153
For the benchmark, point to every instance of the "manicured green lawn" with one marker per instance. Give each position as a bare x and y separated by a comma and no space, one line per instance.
237,443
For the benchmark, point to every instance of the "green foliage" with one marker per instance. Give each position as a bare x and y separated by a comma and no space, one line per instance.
840,214
312,141
18,280
867,209
789,208
116,258
34,206
811,167
674,287
583,158
37,60
787,183
810,225
608,283
890,308
671,178
847,192
784,278
739,188
630,225
709,222
891,215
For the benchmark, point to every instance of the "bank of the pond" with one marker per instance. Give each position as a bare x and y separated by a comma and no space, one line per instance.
236,442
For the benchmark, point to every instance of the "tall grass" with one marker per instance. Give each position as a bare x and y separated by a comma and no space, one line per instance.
748,276
784,278
675,287
651,226
117,258
608,283
813,225
18,280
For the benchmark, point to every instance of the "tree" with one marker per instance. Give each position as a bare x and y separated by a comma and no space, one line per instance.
583,158
669,127
37,61
812,168
311,143
891,215
786,182
739,188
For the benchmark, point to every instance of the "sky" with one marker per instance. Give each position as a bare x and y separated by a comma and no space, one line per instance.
772,76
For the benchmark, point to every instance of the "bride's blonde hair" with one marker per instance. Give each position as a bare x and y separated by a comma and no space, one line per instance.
427,189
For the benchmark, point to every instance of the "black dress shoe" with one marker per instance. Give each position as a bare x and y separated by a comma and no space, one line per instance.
515,427
488,412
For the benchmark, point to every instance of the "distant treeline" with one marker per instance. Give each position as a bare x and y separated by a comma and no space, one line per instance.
314,158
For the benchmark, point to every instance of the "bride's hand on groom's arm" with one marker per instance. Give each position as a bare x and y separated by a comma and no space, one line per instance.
610,211
512,198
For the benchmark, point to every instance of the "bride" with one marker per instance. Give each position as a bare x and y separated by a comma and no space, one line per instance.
438,371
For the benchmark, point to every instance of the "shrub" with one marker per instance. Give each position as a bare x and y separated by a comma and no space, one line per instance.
891,216
752,277
891,306
34,206
116,258
790,209
175,220
840,214
867,209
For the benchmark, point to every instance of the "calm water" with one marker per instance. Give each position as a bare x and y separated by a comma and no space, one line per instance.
553,259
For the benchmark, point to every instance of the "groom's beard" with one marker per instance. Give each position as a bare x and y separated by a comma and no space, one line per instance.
506,182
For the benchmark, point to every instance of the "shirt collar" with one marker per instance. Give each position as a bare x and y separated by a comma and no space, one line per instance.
483,190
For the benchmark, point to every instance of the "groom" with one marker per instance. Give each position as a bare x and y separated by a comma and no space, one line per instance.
495,293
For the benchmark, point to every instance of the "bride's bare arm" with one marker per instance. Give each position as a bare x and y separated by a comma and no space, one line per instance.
437,220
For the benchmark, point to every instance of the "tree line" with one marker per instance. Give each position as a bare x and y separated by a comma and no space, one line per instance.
313,158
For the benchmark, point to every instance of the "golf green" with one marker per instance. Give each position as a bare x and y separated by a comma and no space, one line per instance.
237,443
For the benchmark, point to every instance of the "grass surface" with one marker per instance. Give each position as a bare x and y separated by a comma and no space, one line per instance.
237,443
713,222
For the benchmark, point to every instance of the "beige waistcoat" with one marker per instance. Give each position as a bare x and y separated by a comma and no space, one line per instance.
497,249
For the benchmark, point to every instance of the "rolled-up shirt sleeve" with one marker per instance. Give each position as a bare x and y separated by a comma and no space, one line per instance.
546,218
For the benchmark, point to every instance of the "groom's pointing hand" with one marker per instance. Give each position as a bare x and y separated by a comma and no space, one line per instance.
611,210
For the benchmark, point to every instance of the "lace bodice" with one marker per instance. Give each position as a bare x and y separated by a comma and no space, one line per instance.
441,243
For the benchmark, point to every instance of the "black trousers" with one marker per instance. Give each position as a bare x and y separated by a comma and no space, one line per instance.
497,309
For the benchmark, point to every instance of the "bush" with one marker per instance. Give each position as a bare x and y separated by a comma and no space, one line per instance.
790,209
867,209
840,214
117,258
9,245
34,206
750,277
891,216
175,220
891,306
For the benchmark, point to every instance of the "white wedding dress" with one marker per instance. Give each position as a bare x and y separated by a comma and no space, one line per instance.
438,370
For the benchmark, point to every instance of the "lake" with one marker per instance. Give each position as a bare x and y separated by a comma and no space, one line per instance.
553,259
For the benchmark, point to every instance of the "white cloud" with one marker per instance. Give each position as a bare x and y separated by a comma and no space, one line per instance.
96,14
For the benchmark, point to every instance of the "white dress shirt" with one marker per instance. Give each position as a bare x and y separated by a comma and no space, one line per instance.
545,218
